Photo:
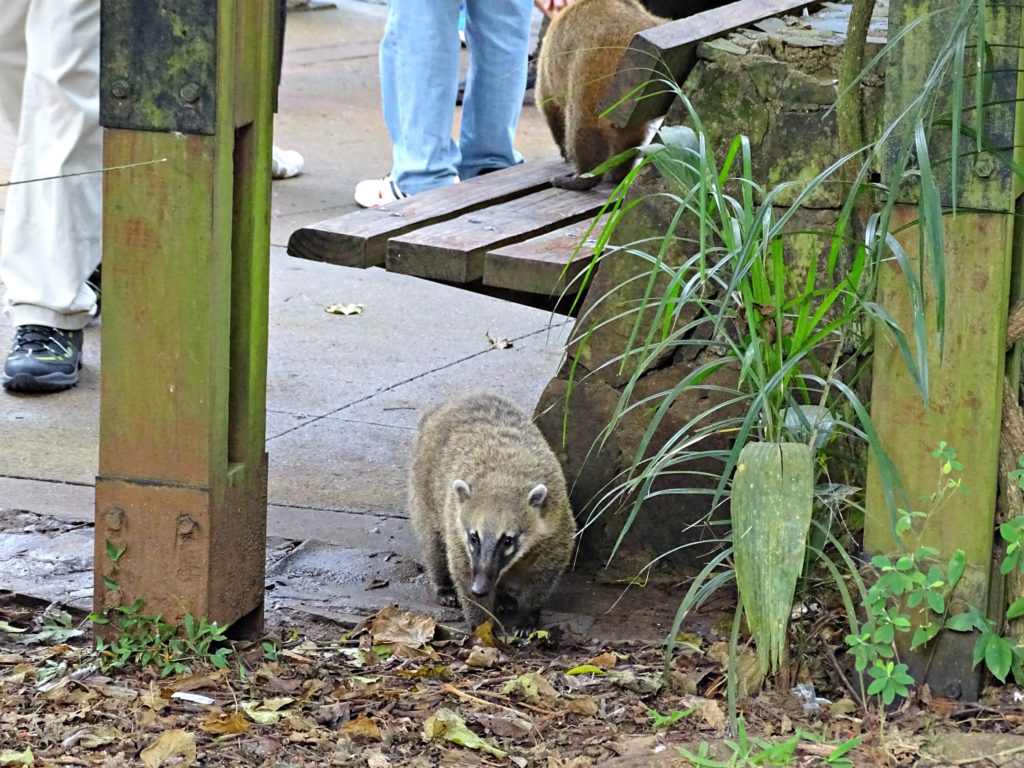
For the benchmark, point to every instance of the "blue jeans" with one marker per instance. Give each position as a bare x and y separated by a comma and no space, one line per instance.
419,74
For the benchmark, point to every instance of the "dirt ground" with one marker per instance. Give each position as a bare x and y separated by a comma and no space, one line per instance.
401,690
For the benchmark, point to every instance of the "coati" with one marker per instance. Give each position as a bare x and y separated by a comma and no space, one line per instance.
580,53
489,505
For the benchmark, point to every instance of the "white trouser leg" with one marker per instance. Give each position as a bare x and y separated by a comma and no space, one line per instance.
51,237
13,53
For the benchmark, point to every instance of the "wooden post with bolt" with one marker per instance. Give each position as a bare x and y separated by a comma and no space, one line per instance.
187,90
967,374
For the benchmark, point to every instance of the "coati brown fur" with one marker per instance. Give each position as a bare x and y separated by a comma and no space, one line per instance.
580,53
489,505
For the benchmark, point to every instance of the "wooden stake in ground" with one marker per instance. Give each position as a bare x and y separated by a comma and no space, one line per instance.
181,491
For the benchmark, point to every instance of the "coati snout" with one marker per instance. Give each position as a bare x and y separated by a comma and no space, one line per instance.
490,507
581,52
491,551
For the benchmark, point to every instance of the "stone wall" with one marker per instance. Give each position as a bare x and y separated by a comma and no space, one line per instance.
776,84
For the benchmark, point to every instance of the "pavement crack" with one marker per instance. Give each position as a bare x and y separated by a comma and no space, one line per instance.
391,387
78,483
376,514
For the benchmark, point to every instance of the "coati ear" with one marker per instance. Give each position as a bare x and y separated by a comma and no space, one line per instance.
461,488
538,496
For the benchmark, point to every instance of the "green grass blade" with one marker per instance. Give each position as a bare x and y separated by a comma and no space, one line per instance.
932,239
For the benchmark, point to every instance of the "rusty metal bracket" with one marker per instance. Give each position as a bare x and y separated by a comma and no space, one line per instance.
159,65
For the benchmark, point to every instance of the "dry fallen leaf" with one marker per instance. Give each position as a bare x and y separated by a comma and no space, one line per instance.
604,661
533,686
155,699
223,723
403,651
498,342
290,654
504,726
842,707
711,711
92,737
429,670
483,656
361,728
344,309
582,705
261,715
175,747
376,759
631,681
193,682
485,633
393,625
276,703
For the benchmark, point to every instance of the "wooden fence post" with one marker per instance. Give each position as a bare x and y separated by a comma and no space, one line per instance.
188,88
966,381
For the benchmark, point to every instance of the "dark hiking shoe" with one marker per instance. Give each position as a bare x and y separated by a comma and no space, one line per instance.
43,359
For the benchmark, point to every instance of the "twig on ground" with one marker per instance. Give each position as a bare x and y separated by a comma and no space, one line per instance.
449,688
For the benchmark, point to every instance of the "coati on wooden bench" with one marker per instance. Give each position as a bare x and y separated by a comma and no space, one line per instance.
580,54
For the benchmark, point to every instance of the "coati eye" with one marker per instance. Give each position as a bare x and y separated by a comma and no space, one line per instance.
508,542
474,539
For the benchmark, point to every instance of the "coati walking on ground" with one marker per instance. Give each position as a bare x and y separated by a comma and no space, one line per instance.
580,53
489,505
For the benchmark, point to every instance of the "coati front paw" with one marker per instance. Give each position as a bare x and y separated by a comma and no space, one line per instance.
526,623
447,597
575,183
505,604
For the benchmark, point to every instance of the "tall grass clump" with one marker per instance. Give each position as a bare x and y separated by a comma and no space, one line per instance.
778,349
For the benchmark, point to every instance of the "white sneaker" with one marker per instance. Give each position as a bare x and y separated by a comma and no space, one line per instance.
285,163
374,192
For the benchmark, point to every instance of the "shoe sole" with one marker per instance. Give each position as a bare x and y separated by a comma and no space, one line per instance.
53,382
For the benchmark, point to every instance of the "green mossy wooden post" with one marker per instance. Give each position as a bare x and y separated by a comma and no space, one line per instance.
966,382
182,465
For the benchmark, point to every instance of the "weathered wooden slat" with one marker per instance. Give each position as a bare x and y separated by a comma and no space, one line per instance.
453,251
359,239
544,265
668,51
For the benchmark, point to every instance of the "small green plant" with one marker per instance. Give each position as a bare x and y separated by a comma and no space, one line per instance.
270,651
915,582
838,756
1017,475
1012,532
890,679
660,721
147,640
746,751
114,554
911,581
1002,655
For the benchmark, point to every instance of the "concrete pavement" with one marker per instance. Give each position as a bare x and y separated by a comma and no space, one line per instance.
344,393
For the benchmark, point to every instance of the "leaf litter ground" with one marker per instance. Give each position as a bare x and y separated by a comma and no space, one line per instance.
399,690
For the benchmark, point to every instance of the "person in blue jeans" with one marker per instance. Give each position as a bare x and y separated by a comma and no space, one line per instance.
419,76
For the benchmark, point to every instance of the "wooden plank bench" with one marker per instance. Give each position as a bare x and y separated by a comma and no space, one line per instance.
509,233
